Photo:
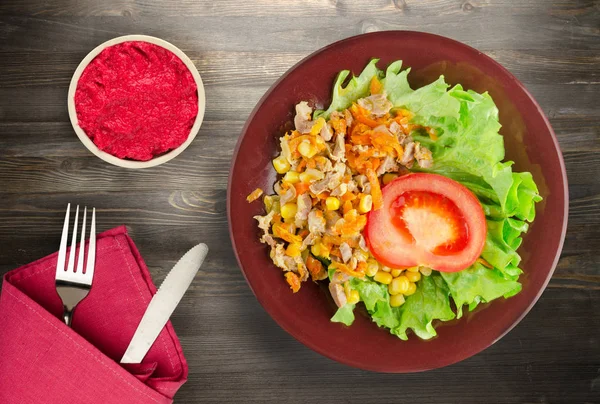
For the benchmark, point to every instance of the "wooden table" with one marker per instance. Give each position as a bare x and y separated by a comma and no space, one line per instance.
235,351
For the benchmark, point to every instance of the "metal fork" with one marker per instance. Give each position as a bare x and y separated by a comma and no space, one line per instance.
73,284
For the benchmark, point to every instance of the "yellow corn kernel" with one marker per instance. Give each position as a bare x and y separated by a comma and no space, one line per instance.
366,204
413,276
383,277
305,178
353,297
325,250
372,268
320,250
291,177
389,177
288,211
425,271
347,288
311,175
307,149
386,269
413,269
332,203
397,300
293,250
396,272
399,285
412,288
317,126
315,249
281,165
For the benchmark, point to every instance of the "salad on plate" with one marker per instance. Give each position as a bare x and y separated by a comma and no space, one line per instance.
400,200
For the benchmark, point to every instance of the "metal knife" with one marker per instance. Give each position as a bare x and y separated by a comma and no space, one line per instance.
163,303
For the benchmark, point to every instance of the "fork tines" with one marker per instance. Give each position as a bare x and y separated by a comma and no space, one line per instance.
70,273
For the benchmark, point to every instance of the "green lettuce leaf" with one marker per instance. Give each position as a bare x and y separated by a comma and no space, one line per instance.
478,284
501,244
395,82
344,315
430,302
357,87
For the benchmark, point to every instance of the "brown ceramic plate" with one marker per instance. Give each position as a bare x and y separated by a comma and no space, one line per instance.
529,141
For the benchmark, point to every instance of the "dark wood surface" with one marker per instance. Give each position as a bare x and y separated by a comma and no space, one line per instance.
235,351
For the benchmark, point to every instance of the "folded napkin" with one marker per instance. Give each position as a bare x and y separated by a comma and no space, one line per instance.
44,361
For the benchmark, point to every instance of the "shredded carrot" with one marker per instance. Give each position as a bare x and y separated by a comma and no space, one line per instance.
358,129
375,189
386,142
346,269
337,240
485,263
283,233
375,85
360,139
311,163
403,122
361,115
360,162
301,187
303,233
339,125
348,196
301,166
254,195
361,267
347,206
323,195
354,227
351,215
335,252
293,280
293,134
374,163
315,267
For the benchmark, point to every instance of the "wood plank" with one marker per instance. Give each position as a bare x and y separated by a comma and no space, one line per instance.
25,69
291,8
239,33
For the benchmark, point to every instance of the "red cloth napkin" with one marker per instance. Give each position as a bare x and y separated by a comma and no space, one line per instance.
44,361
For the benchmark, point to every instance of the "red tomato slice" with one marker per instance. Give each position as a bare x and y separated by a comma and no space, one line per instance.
428,220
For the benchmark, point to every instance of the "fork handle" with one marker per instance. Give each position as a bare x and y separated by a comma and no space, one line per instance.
67,316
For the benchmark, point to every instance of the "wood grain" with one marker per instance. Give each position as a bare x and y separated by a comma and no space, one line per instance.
235,351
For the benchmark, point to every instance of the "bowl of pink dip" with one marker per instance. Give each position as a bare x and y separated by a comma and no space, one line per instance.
136,101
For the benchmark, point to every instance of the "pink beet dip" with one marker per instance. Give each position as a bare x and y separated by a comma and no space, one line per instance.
136,100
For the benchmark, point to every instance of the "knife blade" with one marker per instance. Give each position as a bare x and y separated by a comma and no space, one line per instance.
163,303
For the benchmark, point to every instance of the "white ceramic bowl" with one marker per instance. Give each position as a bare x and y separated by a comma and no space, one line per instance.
109,158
